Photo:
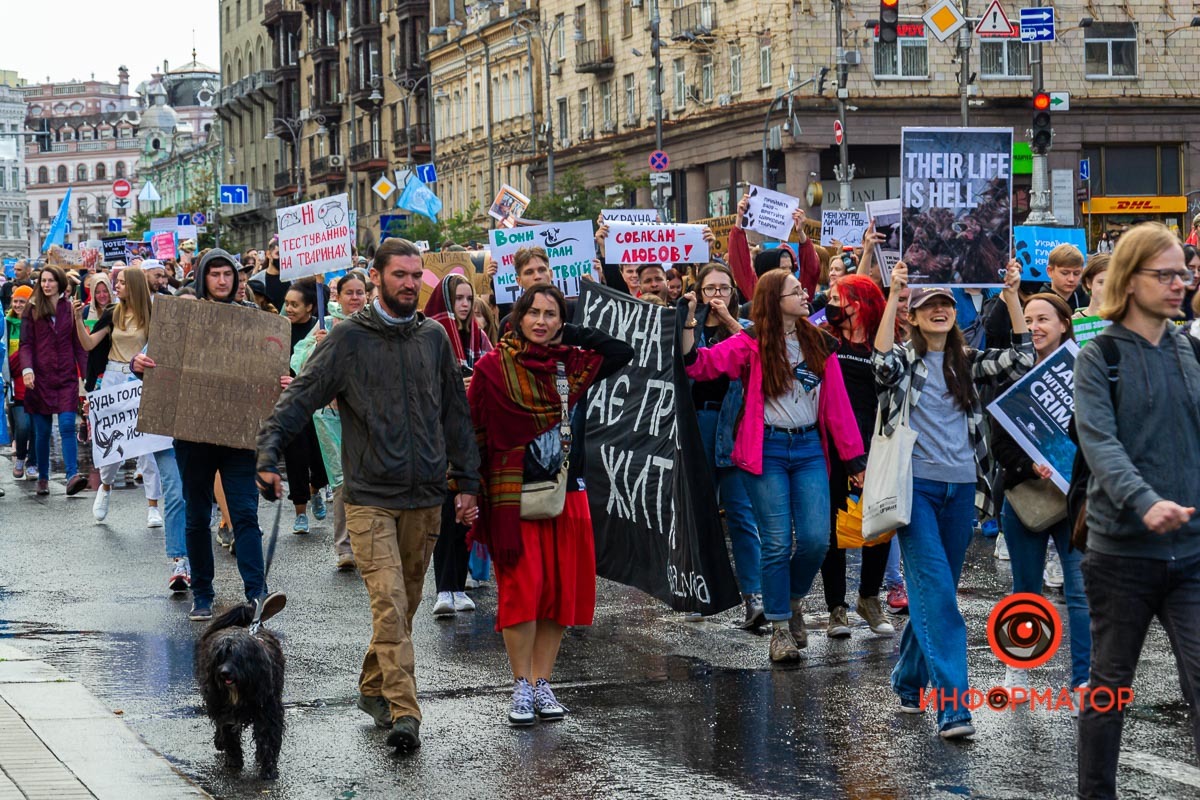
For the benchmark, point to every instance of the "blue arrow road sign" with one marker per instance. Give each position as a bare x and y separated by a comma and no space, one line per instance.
183,219
1037,24
235,194
114,225
426,173
1085,169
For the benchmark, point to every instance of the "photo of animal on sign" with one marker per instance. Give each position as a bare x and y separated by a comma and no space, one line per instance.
314,237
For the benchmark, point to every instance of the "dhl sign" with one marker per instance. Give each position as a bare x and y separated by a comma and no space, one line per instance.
1136,205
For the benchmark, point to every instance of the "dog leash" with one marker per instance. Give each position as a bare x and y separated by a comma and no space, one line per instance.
256,623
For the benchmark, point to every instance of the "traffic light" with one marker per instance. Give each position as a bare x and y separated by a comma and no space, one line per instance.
889,17
1042,133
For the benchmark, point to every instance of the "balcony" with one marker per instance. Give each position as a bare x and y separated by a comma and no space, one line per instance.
693,21
368,156
368,31
324,51
288,182
594,55
327,169
329,106
254,89
282,11
417,137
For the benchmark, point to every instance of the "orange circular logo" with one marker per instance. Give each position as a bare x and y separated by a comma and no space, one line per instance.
1024,630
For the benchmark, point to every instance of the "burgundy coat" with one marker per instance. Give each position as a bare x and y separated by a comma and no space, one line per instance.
57,358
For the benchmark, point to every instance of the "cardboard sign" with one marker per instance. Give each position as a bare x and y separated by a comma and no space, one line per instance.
720,226
163,245
439,265
62,257
570,245
114,416
314,237
886,214
217,373
114,248
845,226
1032,245
646,216
770,213
508,206
629,243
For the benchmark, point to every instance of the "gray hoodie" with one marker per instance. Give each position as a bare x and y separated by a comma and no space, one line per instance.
1148,450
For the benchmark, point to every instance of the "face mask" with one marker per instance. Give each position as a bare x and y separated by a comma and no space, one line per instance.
835,315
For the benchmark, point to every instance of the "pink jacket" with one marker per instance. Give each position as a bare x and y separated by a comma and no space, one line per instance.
738,356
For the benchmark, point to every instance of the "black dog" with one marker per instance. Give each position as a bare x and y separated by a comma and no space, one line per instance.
241,677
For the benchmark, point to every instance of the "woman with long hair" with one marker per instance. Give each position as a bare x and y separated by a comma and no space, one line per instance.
718,403
485,318
305,470
853,315
52,361
795,410
101,297
1093,283
118,335
545,568
22,425
452,305
931,379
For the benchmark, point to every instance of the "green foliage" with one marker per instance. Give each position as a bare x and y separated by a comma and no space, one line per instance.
458,228
572,199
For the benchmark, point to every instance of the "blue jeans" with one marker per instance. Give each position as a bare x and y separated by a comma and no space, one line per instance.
892,577
933,648
22,431
42,424
174,515
198,465
739,516
790,499
1028,553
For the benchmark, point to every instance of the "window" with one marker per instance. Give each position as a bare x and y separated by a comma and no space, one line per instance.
585,110
580,22
1003,59
478,106
764,62
679,84
1136,170
907,57
101,172
1110,50
62,173
564,120
527,89
2,186
735,68
653,100
16,178
706,78
120,169
630,99
228,20
560,37
606,105
81,206
626,18
43,175
43,209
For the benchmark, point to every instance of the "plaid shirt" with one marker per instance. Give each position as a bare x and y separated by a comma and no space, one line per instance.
901,371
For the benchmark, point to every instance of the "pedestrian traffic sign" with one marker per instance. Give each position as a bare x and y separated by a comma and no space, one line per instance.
994,22
1037,24
838,132
1060,101
183,219
659,160
121,187
235,194
944,19
198,218
114,225
426,173
1085,169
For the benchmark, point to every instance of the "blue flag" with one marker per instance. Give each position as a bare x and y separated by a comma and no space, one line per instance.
58,228
419,198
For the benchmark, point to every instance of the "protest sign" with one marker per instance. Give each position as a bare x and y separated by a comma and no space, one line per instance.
956,193
643,215
846,227
314,237
61,257
720,226
654,510
570,245
630,243
114,248
1032,245
114,416
770,213
1037,409
163,245
886,214
438,266
508,206
1088,328
217,373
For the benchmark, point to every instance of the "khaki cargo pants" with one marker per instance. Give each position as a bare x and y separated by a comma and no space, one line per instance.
393,549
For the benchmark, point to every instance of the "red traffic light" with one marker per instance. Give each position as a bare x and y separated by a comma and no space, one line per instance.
1041,101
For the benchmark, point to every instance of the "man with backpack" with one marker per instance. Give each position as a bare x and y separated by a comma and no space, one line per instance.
1137,416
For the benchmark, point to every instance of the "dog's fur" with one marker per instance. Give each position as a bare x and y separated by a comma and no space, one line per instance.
241,679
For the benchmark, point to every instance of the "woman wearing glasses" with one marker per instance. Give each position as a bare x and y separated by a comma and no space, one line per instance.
795,407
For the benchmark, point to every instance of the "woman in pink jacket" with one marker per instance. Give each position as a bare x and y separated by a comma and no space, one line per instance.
795,407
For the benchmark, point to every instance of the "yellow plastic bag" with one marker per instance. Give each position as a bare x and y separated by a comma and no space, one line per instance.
849,526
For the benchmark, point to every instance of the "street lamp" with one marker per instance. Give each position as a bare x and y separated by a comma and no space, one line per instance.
409,86
544,34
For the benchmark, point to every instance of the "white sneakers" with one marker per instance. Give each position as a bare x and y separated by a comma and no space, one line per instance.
100,504
1001,547
1053,573
462,602
444,607
154,518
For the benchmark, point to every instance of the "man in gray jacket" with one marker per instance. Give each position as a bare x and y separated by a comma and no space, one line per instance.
400,394
1140,434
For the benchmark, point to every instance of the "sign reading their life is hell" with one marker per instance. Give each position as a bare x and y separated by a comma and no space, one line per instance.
846,227
630,243
770,213
114,417
217,373
651,493
570,245
314,237
955,194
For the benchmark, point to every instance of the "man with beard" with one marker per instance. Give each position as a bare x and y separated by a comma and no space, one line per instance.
156,276
404,415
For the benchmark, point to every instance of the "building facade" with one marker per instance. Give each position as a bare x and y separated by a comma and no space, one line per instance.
14,206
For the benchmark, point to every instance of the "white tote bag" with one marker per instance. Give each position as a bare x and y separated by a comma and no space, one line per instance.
887,488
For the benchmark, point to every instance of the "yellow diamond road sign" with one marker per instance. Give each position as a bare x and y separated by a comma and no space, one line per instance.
383,187
944,19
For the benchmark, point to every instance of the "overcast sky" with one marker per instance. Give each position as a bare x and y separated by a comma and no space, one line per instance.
72,39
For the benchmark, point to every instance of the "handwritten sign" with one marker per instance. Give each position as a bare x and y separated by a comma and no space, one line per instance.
770,212
720,226
846,227
114,414
314,237
629,243
645,216
570,245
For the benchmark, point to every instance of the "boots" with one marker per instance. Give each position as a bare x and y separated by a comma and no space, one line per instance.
755,616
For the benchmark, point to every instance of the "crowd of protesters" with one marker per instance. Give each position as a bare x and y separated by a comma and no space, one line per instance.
443,433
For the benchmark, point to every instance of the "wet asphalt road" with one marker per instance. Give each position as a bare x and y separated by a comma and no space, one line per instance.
660,706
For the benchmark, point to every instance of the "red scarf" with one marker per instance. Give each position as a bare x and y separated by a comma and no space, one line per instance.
440,309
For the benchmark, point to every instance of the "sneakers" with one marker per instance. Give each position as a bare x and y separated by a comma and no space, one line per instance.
31,473
19,468
43,488
1001,548
444,607
76,484
1053,573
545,704
224,536
154,517
910,707
272,604
471,583
462,602
839,624
300,526
870,609
521,712
100,504
796,623
377,708
783,646
346,562
1016,679
406,734
181,576
957,730
755,614
201,611
317,504
897,599
1075,700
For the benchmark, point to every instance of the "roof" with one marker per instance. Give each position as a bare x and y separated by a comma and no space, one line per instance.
194,66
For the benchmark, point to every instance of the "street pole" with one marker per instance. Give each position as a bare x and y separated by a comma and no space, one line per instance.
1039,192
655,46
844,171
964,55
548,114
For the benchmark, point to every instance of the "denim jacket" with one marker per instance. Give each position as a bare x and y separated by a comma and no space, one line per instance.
731,406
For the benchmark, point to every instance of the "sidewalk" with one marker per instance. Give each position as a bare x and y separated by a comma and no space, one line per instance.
58,741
